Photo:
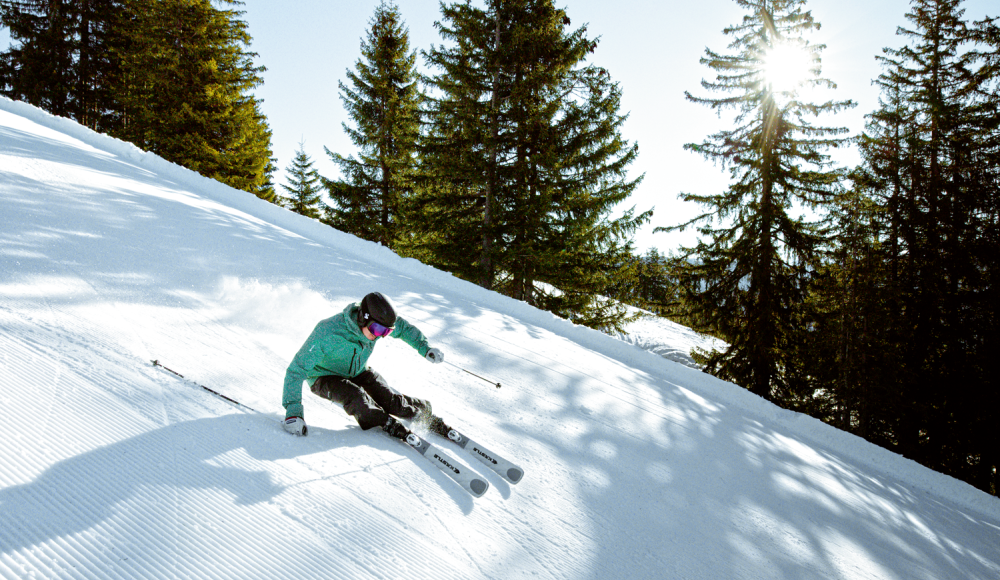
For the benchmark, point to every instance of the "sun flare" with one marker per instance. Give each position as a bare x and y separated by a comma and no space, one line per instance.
788,66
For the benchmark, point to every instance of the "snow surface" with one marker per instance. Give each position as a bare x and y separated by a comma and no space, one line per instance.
666,338
636,466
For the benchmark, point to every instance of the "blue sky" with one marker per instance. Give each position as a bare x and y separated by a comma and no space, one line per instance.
651,48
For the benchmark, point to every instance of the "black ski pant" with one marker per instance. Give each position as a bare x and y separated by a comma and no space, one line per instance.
368,398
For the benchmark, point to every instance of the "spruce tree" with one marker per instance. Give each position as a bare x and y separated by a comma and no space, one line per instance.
171,76
986,34
748,275
303,186
852,357
383,102
933,145
39,69
62,56
651,287
524,161
185,92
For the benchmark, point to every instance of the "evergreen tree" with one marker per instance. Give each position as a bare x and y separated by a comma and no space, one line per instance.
930,151
987,246
852,353
61,57
39,70
524,161
303,189
650,287
171,76
852,356
184,92
747,281
656,291
383,101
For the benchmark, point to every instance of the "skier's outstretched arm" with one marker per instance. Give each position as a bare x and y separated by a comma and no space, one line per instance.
412,336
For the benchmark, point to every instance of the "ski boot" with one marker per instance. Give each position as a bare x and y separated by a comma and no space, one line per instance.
424,413
441,428
397,430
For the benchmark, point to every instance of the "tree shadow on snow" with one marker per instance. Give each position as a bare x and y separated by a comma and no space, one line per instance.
680,486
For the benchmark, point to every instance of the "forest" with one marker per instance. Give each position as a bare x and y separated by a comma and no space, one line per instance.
863,296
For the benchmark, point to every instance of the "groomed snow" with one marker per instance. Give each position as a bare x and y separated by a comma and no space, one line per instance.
637,467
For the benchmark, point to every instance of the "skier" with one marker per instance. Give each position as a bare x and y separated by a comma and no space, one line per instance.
333,361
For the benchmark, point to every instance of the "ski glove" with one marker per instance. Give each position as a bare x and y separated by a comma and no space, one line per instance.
296,426
435,356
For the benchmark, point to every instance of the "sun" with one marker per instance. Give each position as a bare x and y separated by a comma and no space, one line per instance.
787,66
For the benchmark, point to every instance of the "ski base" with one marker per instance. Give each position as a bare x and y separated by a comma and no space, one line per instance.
462,476
501,466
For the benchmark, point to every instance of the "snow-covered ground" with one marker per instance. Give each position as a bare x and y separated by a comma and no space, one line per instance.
636,466
668,339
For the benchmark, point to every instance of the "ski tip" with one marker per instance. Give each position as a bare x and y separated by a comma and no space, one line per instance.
478,487
514,474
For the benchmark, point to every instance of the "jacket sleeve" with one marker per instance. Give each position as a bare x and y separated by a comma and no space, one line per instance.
411,335
296,373
291,397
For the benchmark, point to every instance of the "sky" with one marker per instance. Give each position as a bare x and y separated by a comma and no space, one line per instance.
636,465
652,48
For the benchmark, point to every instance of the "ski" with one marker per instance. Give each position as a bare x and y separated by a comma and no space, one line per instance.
501,466
469,481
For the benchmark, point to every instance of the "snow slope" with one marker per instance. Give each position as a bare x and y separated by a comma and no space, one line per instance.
636,466
667,338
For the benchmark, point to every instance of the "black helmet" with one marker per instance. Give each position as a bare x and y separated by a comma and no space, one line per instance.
376,307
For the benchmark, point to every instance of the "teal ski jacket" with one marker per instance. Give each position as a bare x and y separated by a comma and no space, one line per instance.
338,347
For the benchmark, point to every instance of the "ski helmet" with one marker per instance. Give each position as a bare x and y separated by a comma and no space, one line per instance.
376,307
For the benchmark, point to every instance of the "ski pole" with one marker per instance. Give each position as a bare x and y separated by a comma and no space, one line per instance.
156,363
473,374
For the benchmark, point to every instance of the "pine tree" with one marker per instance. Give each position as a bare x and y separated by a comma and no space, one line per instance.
524,161
39,69
61,58
171,76
651,286
933,145
746,279
986,34
303,189
454,204
852,354
383,101
184,92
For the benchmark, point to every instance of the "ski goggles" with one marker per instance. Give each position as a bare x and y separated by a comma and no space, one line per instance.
378,330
